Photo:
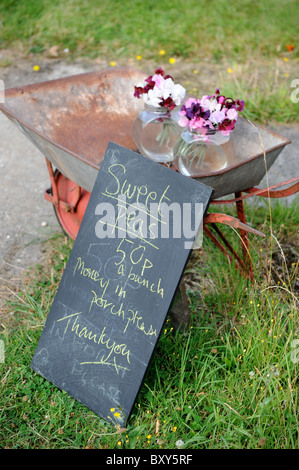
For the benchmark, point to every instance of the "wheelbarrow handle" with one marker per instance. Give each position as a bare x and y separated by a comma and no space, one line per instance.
265,192
231,221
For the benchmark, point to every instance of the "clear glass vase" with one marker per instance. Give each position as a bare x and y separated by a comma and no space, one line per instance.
155,133
196,153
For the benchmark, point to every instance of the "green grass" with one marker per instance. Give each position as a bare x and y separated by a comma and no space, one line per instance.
229,382
266,103
214,29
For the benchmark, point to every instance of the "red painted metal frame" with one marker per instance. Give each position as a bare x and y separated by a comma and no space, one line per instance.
266,192
244,264
69,201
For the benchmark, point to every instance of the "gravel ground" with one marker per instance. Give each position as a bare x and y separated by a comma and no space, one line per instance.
26,218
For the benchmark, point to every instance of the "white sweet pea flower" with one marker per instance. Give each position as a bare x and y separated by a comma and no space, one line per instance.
214,105
162,92
204,98
141,84
205,103
178,94
168,87
153,97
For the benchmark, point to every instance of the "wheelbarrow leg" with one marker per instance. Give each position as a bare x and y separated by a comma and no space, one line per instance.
180,310
51,195
226,247
69,201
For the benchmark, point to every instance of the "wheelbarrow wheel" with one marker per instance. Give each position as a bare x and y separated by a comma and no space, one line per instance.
69,221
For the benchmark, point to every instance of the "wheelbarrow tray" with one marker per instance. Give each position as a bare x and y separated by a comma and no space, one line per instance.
71,120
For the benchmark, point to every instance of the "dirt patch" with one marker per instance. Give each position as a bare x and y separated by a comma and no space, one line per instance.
198,75
285,266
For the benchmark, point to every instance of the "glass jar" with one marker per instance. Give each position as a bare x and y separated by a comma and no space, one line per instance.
155,133
196,153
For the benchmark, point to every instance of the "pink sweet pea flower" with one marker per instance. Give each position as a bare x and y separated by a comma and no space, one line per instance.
217,117
197,123
159,80
232,114
190,101
183,121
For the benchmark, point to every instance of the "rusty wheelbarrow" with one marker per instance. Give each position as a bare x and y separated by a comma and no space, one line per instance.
71,120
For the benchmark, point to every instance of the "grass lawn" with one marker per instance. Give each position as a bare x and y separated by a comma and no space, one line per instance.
231,380
195,28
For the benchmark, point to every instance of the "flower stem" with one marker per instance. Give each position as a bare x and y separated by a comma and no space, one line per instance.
168,130
193,153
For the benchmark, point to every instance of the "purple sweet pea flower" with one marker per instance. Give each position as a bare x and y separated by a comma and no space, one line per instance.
240,105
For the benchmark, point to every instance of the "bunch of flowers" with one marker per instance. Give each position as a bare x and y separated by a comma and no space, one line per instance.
211,113
160,90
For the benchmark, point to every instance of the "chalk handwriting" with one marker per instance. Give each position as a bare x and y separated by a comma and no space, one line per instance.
137,319
86,271
103,303
141,281
102,338
117,187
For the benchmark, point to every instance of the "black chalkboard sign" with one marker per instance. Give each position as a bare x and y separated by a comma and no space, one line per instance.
126,263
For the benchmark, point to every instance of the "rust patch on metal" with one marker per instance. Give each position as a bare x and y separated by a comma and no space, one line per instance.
81,113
